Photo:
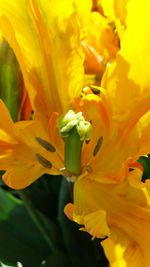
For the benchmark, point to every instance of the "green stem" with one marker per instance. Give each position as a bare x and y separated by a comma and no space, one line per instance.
36,218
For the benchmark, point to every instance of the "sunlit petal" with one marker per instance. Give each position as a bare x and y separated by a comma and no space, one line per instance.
127,217
46,39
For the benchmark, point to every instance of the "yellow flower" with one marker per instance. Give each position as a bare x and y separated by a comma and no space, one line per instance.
101,44
46,39
109,198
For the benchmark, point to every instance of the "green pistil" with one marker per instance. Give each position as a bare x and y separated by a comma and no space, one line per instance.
74,129
73,147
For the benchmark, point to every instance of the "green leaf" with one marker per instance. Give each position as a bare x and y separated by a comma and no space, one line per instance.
145,161
3,265
44,194
58,259
20,239
11,81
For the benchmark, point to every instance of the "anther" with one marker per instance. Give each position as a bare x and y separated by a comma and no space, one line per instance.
44,162
98,146
95,90
45,144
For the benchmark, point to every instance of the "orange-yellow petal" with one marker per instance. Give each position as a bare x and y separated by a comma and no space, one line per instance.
46,39
127,85
112,146
116,10
127,209
27,151
128,81
101,44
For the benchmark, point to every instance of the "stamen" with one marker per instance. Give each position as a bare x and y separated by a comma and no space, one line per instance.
44,162
98,146
45,144
95,90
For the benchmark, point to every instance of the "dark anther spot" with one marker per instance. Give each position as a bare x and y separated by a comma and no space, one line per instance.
44,162
95,90
45,144
98,146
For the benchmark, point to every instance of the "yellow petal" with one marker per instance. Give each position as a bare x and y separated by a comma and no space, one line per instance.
6,126
101,44
94,223
144,126
128,80
45,36
96,112
116,10
127,216
22,154
112,144
123,252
